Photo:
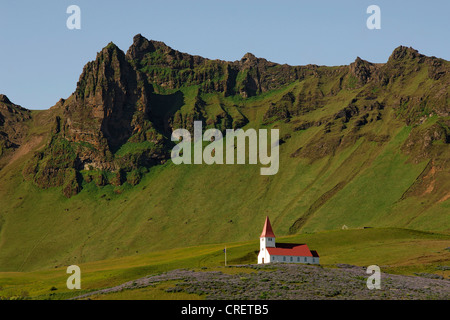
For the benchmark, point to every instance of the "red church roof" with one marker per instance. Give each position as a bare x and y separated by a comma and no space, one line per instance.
290,249
267,230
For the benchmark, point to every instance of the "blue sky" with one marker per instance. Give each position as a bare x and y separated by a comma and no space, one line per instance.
41,60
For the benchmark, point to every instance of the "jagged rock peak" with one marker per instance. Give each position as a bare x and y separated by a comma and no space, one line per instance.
359,64
404,52
109,50
4,99
6,104
110,66
142,45
360,61
362,69
249,58
111,46
108,54
139,38
139,47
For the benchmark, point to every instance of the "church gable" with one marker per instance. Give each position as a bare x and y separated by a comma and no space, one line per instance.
270,251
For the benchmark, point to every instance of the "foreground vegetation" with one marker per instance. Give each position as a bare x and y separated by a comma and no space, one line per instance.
398,251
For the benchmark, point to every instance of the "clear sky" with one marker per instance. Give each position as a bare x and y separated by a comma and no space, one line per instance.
41,59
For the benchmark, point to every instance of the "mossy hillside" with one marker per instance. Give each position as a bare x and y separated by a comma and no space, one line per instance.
152,211
137,218
55,167
173,73
346,154
179,104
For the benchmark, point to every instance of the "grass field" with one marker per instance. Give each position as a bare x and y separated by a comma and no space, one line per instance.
400,251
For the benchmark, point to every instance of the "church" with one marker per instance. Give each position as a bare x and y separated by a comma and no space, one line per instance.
283,252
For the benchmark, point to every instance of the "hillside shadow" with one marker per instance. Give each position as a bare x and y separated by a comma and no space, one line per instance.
162,108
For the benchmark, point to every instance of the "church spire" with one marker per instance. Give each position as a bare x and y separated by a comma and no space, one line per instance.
267,230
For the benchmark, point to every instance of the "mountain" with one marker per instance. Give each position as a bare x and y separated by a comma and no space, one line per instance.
360,145
13,128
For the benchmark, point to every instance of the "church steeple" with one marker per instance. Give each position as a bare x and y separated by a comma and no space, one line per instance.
267,236
267,230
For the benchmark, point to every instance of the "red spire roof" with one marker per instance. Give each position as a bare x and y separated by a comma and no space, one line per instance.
267,230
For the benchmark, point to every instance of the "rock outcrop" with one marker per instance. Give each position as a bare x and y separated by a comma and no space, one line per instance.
118,121
13,126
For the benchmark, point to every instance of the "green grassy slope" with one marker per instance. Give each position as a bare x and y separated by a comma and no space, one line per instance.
365,180
186,205
400,251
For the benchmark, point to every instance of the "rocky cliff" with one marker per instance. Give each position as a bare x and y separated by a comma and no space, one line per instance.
118,121
13,127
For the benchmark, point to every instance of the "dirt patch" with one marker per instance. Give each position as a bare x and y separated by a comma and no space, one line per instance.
444,198
24,149
430,187
27,147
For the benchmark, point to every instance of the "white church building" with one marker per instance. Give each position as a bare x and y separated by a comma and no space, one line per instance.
283,252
